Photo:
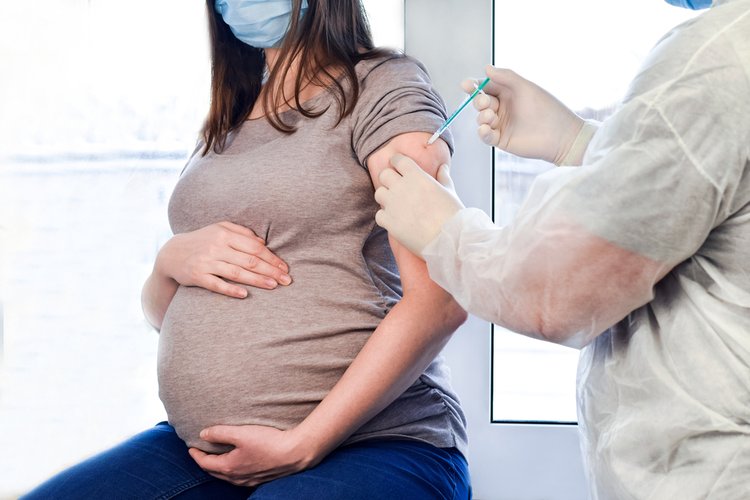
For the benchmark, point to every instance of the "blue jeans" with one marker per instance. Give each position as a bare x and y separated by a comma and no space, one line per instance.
155,464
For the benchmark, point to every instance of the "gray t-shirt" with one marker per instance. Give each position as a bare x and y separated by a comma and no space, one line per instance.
271,358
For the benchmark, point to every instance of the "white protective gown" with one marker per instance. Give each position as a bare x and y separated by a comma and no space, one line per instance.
664,392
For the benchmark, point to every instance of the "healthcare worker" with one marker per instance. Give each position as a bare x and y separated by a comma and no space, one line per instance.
641,256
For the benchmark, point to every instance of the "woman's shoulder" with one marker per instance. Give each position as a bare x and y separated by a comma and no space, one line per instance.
392,66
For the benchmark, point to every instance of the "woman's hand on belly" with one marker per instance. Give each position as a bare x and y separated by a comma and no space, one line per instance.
260,454
211,256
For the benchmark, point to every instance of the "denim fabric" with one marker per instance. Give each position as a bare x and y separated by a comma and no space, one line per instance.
155,464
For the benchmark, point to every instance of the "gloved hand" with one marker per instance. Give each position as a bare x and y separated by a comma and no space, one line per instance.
414,205
522,118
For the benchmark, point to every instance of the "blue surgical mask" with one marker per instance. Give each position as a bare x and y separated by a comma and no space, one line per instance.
260,23
691,4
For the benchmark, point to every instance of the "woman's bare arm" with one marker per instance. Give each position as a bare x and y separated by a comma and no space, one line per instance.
406,341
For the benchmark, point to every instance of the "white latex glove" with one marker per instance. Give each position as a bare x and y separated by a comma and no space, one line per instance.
520,117
414,205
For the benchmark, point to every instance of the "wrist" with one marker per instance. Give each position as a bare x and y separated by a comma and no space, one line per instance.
444,217
307,448
160,271
430,232
572,154
156,296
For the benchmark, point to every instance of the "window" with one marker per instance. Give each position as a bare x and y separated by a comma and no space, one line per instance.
587,65
101,103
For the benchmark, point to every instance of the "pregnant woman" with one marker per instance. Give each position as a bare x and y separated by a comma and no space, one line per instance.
298,349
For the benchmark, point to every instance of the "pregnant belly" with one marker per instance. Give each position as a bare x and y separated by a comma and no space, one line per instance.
265,360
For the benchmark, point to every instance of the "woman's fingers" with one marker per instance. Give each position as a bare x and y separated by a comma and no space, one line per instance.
224,276
227,257
252,246
218,285
251,243
257,266
239,274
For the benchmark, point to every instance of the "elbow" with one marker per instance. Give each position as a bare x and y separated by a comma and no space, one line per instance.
556,332
443,314
553,324
575,320
454,316
434,306
569,332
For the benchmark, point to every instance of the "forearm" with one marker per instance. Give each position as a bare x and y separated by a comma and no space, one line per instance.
158,292
470,259
547,279
404,344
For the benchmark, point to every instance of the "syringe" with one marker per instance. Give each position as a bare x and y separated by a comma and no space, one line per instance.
458,111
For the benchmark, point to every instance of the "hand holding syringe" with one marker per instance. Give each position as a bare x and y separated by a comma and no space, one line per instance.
458,111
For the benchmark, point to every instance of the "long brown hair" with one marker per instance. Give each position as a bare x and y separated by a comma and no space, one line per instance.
327,43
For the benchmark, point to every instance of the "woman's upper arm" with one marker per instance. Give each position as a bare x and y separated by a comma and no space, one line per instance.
411,144
413,270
